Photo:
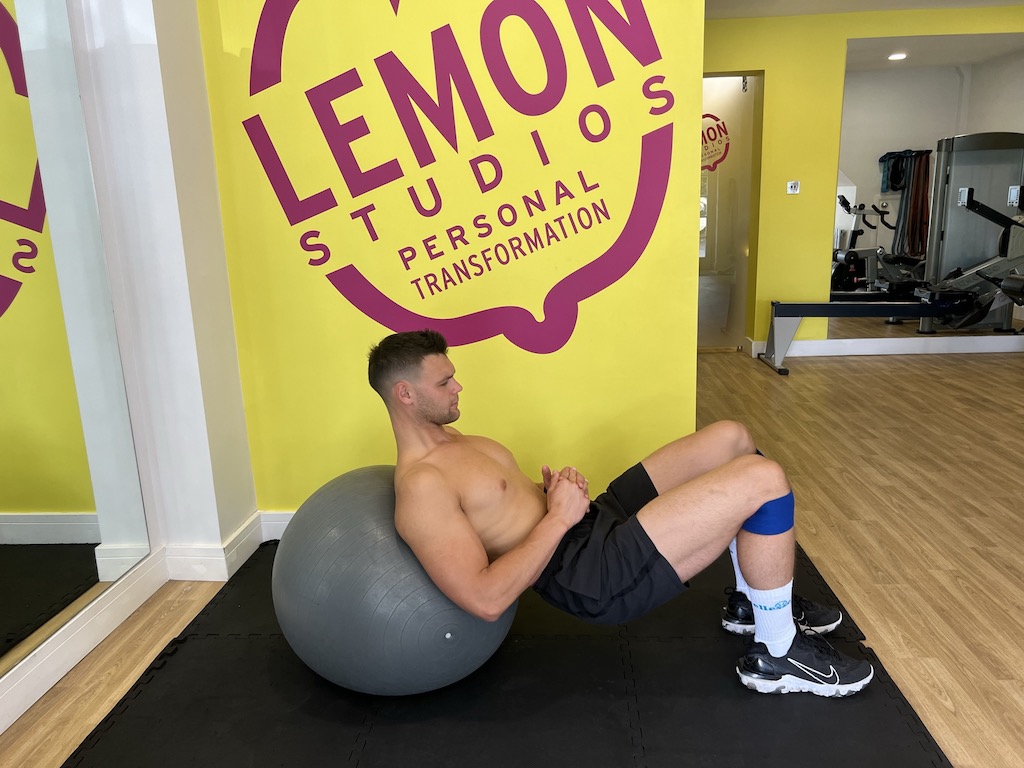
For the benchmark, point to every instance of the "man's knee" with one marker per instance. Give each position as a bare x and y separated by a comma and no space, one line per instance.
761,476
770,476
776,511
736,435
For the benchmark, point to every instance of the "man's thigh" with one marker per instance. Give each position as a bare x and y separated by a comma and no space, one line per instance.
690,457
692,523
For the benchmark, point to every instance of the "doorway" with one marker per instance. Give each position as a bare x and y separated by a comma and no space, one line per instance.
731,105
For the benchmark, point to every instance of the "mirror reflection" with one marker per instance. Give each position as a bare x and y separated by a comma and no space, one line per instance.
71,520
927,125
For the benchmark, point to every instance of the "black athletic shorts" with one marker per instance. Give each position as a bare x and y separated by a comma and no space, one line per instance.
606,569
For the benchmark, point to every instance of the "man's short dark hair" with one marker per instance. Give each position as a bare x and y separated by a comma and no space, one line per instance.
399,356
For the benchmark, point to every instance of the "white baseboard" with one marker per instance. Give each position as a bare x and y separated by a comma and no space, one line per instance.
197,563
243,542
213,563
49,528
34,675
114,561
916,345
274,523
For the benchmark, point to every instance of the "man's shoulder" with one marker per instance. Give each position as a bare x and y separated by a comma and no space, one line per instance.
419,474
468,451
441,455
447,465
481,443
429,474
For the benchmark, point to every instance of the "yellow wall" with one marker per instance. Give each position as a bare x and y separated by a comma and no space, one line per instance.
599,392
42,451
804,59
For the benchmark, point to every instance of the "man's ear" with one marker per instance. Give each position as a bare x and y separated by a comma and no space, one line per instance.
402,392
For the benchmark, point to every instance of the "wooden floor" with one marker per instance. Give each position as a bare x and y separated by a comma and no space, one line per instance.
909,487
46,735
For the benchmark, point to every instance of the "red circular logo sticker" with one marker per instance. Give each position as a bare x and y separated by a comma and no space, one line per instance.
714,142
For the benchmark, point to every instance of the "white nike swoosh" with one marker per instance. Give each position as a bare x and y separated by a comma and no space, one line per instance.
831,679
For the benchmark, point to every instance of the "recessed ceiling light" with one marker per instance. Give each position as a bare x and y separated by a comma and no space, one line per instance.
897,56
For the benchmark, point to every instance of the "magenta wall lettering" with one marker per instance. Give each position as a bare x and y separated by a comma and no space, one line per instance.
33,215
465,108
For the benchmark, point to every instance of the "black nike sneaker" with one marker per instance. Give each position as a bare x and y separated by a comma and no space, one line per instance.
738,615
810,665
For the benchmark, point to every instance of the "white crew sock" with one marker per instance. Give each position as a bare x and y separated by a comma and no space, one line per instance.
773,617
741,583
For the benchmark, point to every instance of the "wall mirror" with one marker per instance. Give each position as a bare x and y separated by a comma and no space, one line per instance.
71,514
945,86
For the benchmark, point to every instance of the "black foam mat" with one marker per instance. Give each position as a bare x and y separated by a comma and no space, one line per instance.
38,581
661,691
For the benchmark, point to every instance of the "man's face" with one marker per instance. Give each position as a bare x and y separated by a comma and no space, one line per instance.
437,391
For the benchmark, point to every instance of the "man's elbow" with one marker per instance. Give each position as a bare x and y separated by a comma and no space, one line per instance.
488,610
493,615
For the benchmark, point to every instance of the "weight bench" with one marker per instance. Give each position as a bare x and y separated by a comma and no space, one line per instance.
786,317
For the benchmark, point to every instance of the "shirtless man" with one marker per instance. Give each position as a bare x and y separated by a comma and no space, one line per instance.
485,532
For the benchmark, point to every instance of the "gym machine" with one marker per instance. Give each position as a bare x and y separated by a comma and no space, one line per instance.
871,268
981,285
967,259
978,180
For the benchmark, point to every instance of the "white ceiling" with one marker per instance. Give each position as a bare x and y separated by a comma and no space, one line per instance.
938,51
872,53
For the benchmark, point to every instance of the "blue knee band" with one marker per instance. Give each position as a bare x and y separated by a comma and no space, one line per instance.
774,517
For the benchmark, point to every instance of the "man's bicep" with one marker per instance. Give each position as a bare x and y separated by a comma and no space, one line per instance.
431,521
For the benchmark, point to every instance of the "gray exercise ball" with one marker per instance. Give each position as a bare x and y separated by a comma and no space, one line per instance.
357,607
